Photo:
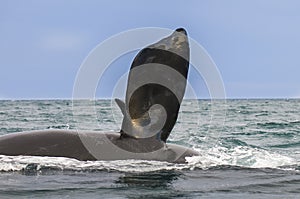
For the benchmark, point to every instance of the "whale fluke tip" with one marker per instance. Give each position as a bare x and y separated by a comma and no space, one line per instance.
181,30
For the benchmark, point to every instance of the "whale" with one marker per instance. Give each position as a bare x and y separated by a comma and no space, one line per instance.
155,89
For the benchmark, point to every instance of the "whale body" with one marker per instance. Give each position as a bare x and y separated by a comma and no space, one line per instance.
155,89
67,143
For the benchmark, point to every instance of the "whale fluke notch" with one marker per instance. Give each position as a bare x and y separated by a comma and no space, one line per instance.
155,88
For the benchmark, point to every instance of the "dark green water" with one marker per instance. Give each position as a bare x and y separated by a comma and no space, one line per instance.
249,149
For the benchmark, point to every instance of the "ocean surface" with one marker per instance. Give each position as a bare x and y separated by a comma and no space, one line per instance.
249,149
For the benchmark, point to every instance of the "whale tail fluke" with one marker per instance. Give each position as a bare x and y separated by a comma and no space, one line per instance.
156,86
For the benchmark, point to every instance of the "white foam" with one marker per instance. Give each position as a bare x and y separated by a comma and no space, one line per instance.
241,156
18,163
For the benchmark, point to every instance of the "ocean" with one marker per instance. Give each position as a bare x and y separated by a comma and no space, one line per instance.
249,149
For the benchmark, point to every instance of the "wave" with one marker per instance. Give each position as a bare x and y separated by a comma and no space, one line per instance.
242,157
279,125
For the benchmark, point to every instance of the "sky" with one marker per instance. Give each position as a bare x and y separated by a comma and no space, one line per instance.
255,44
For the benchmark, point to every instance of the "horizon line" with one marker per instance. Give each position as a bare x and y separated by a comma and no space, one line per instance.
104,98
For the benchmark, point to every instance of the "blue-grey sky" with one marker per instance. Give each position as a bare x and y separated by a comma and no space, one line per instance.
255,44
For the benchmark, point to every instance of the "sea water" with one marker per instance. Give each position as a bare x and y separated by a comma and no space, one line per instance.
248,149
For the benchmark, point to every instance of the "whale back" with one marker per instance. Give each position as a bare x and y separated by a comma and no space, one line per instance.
155,88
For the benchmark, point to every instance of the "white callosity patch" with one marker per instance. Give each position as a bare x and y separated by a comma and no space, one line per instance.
177,43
